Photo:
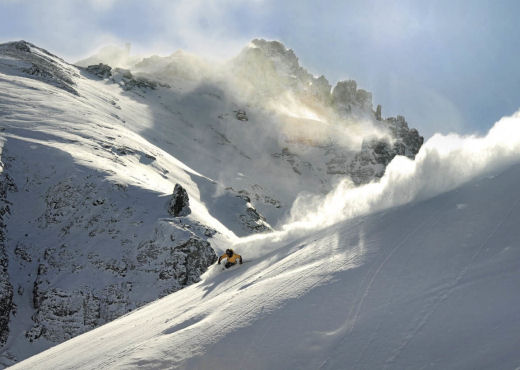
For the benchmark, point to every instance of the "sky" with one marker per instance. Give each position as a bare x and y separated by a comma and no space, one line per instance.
446,65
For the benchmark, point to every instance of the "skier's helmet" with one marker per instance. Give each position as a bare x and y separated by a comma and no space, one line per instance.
229,252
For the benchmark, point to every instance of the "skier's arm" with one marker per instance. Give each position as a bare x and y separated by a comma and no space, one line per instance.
240,259
220,258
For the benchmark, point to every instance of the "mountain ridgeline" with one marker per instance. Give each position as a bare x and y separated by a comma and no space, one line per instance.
90,224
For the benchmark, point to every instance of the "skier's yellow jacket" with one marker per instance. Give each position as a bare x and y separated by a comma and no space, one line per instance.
232,259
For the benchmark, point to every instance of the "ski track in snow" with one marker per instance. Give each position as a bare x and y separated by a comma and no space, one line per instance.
444,294
353,315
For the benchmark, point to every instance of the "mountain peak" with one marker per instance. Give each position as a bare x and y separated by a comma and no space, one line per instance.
274,51
273,48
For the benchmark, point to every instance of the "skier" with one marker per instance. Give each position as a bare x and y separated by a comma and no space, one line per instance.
231,258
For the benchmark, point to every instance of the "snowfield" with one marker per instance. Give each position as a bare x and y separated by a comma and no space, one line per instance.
349,269
432,284
429,284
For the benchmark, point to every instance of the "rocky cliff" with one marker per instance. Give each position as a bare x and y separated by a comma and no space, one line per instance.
6,288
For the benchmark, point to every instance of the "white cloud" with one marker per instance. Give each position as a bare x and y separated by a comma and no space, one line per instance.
202,27
74,28
102,5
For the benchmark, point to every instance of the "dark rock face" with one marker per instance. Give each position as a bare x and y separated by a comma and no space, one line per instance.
375,155
378,112
180,202
62,315
187,261
6,288
174,256
97,260
251,218
297,164
123,77
128,81
241,115
254,221
346,95
101,70
410,138
6,305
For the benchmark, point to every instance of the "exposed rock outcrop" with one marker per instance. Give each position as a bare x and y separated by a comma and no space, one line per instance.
370,163
103,285
124,77
241,115
6,288
252,219
101,70
297,164
186,262
410,138
179,205
346,95
378,112
94,263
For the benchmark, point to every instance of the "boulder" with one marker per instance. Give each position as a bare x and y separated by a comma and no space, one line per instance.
101,70
179,205
241,115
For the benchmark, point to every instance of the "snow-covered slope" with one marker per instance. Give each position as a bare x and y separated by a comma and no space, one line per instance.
86,235
90,157
429,284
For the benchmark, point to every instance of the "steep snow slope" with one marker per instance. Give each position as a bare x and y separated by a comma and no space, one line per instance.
428,284
85,232
90,156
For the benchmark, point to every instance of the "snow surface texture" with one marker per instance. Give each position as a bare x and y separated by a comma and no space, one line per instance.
432,283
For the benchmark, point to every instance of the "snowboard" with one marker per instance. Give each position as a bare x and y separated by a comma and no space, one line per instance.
234,266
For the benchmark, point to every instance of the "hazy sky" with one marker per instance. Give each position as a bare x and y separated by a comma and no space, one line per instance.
446,65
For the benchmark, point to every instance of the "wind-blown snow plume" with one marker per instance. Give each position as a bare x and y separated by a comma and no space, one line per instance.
442,164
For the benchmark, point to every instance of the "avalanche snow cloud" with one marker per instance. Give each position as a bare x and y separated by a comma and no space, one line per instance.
442,164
